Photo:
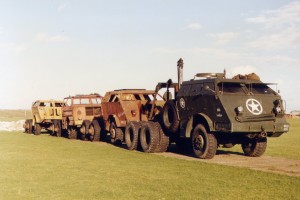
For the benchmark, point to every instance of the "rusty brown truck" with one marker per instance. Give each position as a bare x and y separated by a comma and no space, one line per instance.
132,116
82,117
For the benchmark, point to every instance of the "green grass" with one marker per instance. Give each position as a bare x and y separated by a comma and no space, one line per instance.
287,145
45,167
14,115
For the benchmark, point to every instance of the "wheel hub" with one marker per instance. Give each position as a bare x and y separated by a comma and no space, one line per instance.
199,142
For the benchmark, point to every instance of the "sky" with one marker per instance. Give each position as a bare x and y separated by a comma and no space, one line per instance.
51,49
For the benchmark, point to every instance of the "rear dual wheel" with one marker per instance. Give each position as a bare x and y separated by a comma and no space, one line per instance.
83,131
72,132
28,126
37,129
149,134
56,128
116,134
163,139
149,137
94,131
132,135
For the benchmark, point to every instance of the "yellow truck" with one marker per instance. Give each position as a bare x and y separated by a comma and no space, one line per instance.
46,114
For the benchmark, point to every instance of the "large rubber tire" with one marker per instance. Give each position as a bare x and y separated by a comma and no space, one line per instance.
204,144
56,128
119,136
28,126
37,129
255,148
94,131
132,135
149,137
112,132
163,140
170,117
72,132
84,129
116,134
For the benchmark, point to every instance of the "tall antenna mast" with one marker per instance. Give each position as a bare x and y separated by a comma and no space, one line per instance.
180,72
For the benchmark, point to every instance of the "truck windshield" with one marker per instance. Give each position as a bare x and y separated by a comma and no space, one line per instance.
231,88
245,88
260,89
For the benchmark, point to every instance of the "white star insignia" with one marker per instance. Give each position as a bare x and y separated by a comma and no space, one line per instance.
254,106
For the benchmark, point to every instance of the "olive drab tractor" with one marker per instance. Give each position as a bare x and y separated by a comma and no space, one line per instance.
213,110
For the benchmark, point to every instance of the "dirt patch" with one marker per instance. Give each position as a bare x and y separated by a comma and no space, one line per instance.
265,163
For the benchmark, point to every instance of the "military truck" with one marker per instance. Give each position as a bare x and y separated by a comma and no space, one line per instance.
81,117
131,116
46,114
212,110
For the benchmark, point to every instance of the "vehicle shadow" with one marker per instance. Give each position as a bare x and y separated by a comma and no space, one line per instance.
187,151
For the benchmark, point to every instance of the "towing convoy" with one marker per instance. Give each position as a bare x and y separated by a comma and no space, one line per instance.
207,112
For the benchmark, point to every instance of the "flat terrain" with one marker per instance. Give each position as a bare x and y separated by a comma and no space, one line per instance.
46,167
282,155
14,115
278,165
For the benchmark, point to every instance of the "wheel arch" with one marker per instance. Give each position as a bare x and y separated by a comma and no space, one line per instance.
198,118
114,118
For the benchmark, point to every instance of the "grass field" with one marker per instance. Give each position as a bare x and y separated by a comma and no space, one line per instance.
14,115
287,145
45,167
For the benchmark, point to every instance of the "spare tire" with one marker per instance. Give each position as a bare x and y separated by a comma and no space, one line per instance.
170,117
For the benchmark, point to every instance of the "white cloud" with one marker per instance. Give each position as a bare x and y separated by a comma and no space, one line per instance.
62,7
247,69
286,15
284,39
224,38
281,28
194,26
43,37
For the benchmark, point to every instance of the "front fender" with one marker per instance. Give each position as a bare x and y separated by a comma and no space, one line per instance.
199,118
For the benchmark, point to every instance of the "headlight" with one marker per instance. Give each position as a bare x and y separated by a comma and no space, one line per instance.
239,110
278,109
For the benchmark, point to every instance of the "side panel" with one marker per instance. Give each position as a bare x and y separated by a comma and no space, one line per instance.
111,109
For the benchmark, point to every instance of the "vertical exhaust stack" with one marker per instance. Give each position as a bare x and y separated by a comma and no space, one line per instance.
180,72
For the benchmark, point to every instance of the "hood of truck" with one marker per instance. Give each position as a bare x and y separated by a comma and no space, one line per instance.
251,113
